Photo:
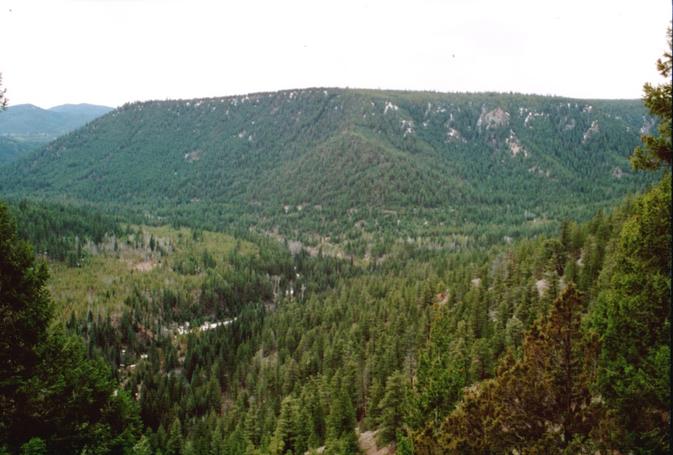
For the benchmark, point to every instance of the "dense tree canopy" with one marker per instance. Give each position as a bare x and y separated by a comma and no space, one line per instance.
633,316
366,169
540,403
51,395
315,347
25,312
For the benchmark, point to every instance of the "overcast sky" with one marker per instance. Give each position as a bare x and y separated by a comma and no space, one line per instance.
115,51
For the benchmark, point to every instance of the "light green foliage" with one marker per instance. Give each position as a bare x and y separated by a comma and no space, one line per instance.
108,281
441,373
175,442
404,445
36,446
142,447
290,434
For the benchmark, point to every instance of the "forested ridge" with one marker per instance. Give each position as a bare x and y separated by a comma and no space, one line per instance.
26,127
11,149
28,123
358,169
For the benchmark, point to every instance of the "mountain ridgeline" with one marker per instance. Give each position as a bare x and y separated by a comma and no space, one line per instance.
25,127
346,166
29,122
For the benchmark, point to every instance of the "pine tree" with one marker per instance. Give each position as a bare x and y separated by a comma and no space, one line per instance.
341,419
632,314
393,407
142,447
289,437
25,312
656,150
442,371
375,395
312,408
174,441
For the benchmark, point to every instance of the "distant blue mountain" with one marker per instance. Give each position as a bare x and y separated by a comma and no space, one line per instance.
27,120
24,126
82,110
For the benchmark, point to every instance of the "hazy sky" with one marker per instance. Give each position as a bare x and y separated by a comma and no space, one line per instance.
114,51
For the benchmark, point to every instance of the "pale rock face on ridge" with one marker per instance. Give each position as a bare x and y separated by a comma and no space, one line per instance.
496,118
593,129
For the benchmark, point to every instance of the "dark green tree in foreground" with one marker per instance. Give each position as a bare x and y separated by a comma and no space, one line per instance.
656,150
633,311
51,395
24,316
633,316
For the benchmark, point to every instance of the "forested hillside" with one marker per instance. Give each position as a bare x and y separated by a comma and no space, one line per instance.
12,149
26,127
358,169
32,123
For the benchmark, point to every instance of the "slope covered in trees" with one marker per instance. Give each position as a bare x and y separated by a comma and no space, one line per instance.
598,379
26,127
31,123
349,166
423,348
595,373
11,149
